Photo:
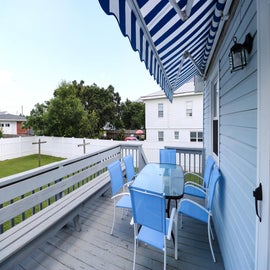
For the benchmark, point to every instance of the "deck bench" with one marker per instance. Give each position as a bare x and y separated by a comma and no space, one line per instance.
19,241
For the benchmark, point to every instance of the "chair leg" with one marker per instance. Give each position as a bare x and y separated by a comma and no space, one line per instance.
176,237
181,221
135,246
212,234
113,217
210,241
165,253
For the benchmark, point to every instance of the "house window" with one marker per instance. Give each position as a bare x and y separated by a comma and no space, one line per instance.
189,108
200,136
176,135
7,125
160,109
193,136
215,116
160,136
196,136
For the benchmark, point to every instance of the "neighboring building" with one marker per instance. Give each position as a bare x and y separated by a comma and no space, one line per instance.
180,121
12,124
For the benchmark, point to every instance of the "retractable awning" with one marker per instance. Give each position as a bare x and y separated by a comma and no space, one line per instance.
173,38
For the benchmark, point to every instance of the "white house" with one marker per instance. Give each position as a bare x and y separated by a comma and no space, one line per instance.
180,121
12,124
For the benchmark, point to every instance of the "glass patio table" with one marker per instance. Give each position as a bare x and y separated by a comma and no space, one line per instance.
162,178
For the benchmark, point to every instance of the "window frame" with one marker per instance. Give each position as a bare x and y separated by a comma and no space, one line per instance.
193,138
215,115
160,110
196,137
189,108
176,135
161,138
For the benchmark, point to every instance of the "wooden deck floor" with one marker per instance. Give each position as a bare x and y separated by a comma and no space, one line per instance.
95,248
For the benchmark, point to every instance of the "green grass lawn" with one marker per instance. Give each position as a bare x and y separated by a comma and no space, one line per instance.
22,164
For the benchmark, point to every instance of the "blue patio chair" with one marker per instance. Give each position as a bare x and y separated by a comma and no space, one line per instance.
149,212
199,190
194,210
117,185
167,156
130,171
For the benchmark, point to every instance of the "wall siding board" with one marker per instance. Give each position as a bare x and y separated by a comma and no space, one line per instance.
249,138
238,242
243,213
234,215
241,119
245,152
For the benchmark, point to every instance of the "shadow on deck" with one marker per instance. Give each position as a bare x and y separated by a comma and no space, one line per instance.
95,248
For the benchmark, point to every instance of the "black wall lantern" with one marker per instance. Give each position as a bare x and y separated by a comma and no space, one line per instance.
238,53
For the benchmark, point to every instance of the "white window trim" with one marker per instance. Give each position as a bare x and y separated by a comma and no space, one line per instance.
215,79
262,256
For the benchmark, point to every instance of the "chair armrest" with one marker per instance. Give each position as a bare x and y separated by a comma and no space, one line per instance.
172,219
194,209
194,174
194,184
120,194
127,184
192,202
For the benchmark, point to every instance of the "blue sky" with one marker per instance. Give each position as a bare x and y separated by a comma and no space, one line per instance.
44,42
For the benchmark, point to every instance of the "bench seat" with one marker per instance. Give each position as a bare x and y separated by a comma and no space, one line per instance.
20,240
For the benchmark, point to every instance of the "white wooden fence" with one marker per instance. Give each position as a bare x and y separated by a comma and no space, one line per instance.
68,148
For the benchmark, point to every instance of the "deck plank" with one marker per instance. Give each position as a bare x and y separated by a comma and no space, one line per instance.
94,248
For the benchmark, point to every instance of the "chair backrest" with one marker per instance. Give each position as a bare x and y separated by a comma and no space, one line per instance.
116,175
215,176
208,170
148,209
167,156
130,172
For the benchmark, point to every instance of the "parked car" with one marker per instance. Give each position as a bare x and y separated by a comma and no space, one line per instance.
131,138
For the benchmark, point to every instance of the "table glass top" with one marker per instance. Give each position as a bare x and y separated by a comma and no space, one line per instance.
161,178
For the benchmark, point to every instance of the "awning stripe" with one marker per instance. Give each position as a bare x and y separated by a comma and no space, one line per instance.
157,32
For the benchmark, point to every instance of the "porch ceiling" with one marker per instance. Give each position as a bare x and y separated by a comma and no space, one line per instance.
173,38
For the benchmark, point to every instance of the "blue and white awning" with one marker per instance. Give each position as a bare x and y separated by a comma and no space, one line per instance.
173,38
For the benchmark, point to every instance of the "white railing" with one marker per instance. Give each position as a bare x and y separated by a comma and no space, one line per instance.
34,183
26,194
191,159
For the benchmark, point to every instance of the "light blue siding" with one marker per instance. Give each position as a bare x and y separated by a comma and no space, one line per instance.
234,213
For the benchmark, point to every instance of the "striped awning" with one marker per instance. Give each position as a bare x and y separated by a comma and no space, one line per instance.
173,38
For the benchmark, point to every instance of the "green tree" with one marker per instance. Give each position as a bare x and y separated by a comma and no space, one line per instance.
133,114
104,102
66,115
79,110
37,119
